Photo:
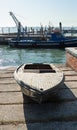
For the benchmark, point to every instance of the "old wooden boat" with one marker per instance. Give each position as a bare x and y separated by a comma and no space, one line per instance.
39,81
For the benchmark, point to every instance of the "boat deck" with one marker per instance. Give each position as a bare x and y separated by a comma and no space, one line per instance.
17,112
41,77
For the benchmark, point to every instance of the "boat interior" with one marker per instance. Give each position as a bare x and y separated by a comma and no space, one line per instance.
38,68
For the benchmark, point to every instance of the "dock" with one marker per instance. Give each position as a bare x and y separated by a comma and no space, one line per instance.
18,112
5,37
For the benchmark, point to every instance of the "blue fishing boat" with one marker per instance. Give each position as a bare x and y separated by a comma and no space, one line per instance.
48,40
56,39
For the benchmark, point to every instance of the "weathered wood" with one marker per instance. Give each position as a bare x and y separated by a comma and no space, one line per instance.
39,76
14,87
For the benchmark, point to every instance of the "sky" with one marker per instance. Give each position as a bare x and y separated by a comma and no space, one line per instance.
39,12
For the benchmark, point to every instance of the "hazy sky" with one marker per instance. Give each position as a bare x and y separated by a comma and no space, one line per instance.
34,12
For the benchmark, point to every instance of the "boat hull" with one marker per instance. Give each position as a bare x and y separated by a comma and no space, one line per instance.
39,81
43,44
40,97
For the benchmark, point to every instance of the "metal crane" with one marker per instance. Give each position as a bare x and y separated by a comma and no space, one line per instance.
20,28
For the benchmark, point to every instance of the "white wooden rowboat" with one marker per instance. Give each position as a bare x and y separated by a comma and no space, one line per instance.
39,81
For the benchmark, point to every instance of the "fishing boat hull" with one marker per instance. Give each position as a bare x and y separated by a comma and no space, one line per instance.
43,44
39,81
56,40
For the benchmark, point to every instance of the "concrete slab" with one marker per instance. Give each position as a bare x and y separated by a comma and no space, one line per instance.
9,87
71,78
59,111
17,97
42,126
17,112
7,80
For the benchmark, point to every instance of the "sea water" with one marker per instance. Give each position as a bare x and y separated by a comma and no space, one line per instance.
15,57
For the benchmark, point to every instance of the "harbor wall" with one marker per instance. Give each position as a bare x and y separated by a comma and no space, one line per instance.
71,58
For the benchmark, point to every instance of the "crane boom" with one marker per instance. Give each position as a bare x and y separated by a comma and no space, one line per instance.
14,18
20,28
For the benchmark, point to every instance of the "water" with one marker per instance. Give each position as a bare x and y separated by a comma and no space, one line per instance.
15,57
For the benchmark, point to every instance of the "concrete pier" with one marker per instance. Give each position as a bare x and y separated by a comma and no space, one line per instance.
17,112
